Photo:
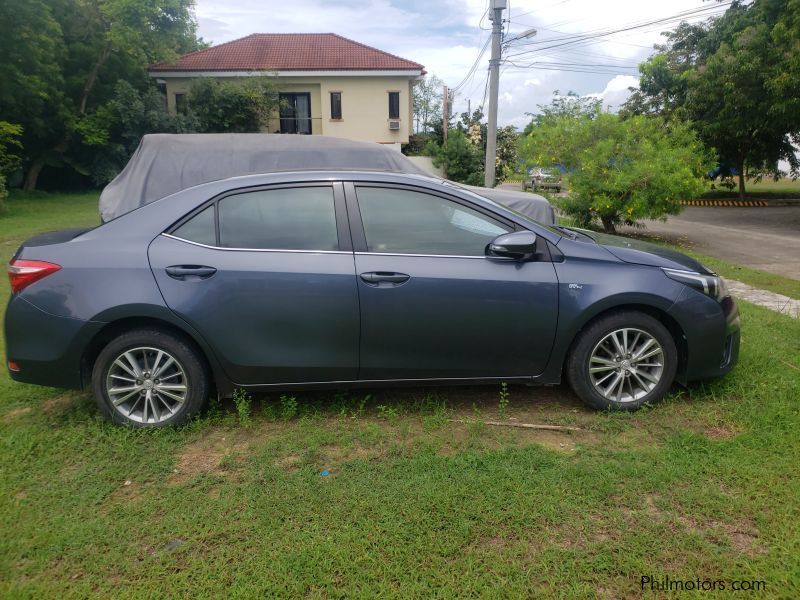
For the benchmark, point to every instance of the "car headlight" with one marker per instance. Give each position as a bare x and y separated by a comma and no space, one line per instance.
710,285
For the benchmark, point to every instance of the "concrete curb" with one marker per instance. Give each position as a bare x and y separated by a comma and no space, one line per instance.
777,302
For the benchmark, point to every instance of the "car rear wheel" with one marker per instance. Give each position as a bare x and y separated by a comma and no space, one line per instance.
149,378
622,361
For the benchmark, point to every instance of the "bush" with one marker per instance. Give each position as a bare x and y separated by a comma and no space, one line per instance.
461,159
621,170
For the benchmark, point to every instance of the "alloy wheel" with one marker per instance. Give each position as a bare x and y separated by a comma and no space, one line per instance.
147,385
626,365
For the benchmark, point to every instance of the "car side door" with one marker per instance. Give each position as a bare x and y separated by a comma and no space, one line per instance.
433,305
266,275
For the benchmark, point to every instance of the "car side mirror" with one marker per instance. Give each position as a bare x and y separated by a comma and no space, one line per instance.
519,245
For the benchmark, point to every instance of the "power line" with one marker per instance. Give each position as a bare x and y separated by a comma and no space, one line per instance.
474,66
579,39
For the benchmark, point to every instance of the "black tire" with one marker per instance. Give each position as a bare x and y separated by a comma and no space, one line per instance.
192,369
578,362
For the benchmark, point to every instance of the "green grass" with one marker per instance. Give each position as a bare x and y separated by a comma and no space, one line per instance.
764,189
422,498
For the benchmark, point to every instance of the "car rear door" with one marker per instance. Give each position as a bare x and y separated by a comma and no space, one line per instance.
266,275
432,304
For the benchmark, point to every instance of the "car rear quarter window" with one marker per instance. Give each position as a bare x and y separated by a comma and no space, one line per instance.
283,219
408,222
199,228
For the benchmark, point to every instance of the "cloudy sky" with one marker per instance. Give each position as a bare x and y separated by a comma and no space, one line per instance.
447,35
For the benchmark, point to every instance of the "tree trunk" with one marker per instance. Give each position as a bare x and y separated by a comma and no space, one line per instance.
91,78
608,224
741,179
32,176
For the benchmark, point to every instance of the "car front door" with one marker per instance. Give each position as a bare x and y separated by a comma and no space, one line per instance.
433,305
267,277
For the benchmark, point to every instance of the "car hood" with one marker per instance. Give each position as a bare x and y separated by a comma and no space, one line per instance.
645,253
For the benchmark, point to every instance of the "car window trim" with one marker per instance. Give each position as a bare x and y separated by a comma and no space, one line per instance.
292,250
357,224
343,233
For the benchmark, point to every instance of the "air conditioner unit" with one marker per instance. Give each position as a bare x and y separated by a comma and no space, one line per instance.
394,125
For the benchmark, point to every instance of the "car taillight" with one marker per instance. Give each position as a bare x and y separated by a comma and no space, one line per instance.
22,273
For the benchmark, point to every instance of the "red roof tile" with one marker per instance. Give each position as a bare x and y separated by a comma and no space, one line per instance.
289,52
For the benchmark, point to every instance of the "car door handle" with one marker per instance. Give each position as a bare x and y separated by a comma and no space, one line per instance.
384,277
190,272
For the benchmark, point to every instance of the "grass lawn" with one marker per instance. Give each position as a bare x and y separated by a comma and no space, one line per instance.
702,486
766,188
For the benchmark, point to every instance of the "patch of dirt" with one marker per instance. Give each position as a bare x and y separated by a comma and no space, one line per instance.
15,413
331,457
206,455
553,440
719,433
742,535
289,463
57,405
746,542
650,506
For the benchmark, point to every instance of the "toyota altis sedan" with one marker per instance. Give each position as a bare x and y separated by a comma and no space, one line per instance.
344,279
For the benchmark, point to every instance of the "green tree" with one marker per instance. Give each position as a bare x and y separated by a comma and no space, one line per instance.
10,147
427,102
233,106
63,58
113,132
621,170
507,157
460,157
735,79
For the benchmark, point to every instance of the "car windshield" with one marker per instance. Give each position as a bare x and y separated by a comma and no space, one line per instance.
550,228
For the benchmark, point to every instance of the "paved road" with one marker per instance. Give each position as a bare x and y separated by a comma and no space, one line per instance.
766,238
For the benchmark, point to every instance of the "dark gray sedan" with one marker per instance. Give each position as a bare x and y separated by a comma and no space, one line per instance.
339,279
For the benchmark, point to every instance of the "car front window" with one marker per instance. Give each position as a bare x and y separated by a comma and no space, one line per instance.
408,222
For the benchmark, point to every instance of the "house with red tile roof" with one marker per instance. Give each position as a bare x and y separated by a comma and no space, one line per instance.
330,85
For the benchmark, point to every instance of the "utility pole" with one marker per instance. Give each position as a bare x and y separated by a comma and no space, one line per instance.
496,15
445,113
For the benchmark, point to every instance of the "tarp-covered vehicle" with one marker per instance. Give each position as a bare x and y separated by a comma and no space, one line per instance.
167,163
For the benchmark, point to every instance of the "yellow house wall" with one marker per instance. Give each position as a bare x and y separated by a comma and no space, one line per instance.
365,105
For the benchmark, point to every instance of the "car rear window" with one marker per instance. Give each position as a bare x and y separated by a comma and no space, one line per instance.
283,219
199,228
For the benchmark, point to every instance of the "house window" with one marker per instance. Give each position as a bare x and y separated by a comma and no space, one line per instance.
394,105
336,105
180,104
296,113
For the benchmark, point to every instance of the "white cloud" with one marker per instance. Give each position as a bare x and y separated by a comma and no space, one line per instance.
444,35
617,91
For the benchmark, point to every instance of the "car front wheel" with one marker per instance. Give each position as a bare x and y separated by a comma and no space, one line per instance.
623,361
149,378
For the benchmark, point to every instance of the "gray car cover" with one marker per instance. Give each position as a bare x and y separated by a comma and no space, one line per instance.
167,163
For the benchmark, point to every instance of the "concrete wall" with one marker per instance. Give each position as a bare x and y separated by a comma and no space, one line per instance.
365,105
